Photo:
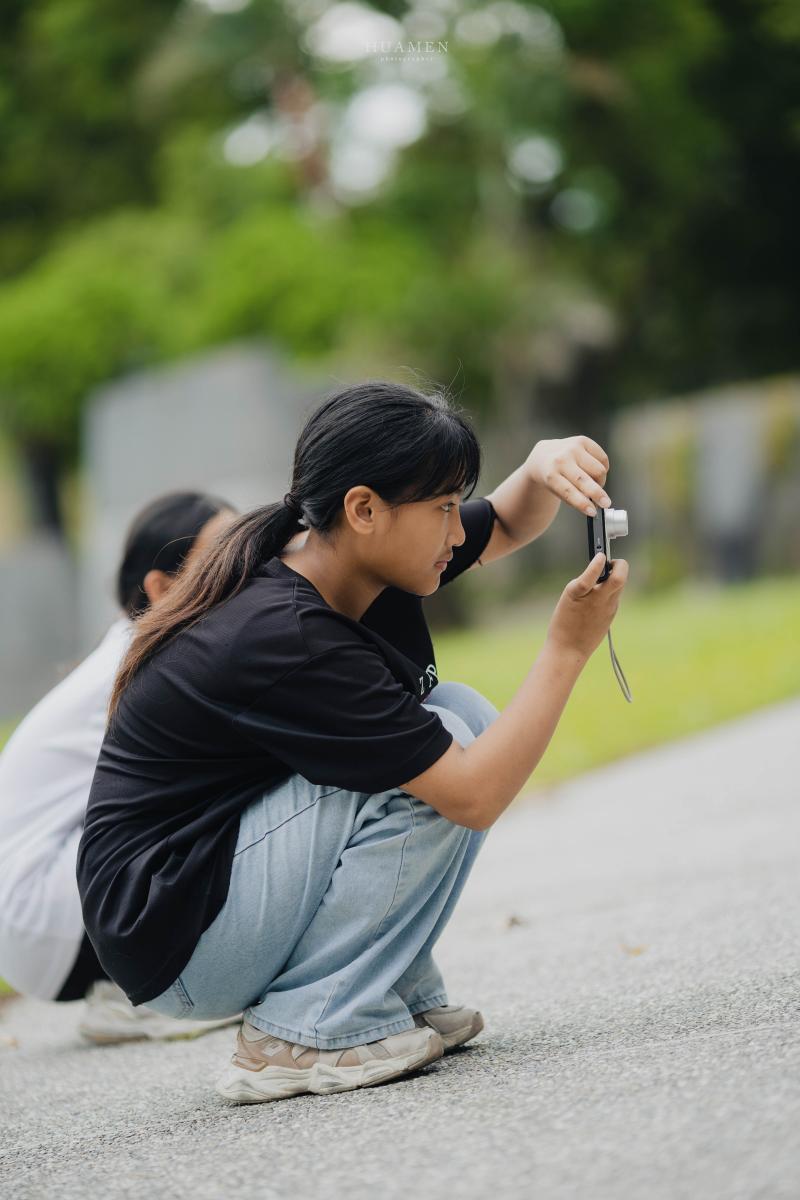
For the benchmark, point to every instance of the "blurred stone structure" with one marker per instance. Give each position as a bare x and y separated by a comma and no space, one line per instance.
38,611
225,423
711,482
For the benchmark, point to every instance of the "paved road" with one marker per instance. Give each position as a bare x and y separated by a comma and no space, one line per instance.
632,940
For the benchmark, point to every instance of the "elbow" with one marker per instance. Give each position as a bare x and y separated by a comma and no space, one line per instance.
478,819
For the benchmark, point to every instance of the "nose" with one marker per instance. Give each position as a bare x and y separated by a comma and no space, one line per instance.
459,541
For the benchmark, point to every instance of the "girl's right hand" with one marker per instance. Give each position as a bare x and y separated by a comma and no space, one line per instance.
586,608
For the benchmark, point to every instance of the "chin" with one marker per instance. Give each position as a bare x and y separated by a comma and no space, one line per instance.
421,585
420,589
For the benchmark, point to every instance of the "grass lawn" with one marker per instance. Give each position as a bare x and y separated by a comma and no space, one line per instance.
693,657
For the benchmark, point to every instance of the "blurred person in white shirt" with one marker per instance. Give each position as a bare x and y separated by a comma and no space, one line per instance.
46,771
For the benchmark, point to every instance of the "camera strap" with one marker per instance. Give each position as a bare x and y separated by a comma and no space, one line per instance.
618,671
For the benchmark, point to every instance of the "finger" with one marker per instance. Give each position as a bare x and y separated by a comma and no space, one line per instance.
588,488
592,465
572,493
618,574
596,449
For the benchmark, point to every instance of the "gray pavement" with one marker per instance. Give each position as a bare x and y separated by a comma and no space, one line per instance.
632,940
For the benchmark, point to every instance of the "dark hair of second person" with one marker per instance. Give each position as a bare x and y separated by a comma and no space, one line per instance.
159,538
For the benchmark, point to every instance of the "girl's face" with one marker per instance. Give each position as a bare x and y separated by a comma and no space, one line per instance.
416,542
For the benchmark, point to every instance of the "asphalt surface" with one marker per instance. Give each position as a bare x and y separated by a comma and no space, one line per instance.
632,939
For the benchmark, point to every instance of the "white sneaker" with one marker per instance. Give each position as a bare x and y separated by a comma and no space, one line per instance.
454,1023
110,1017
264,1067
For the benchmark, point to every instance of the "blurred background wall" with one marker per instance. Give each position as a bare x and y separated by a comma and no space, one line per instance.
225,423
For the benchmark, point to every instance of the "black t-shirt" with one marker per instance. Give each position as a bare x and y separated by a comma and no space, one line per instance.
271,682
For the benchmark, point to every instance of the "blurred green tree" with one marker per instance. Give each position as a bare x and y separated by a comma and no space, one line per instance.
76,141
569,206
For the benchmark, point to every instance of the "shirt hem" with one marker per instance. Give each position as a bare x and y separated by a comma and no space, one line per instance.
428,756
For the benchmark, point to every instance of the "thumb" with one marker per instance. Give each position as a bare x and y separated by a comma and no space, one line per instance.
587,580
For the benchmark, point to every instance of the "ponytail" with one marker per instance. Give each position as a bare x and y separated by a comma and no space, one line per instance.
219,574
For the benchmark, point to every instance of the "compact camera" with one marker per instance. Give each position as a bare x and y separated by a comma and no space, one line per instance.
608,524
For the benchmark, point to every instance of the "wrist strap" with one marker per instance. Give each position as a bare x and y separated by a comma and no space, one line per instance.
618,671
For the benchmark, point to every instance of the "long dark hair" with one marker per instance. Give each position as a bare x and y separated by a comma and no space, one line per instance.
158,539
403,443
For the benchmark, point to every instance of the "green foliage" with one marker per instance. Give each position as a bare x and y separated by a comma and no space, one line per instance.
75,141
143,286
95,308
129,238
282,274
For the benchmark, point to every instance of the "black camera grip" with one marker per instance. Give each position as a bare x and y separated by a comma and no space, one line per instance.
598,542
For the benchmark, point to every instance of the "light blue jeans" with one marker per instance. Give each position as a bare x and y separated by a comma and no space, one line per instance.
336,901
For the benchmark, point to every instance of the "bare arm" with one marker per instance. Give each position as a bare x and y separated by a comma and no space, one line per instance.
472,785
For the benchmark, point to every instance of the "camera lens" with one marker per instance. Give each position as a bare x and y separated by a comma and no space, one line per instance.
616,522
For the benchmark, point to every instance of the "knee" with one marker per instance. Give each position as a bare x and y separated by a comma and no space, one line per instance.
466,702
453,723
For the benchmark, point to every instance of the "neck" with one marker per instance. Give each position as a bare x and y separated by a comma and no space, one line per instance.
339,583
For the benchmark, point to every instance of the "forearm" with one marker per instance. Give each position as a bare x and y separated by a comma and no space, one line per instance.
500,760
524,508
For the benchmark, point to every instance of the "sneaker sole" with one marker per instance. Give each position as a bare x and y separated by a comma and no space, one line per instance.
323,1079
109,1037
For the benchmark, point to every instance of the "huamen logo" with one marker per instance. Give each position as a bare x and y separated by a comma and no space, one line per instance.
423,46
433,678
405,52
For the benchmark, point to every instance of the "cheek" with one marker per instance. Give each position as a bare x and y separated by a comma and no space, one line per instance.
417,544
416,550
433,534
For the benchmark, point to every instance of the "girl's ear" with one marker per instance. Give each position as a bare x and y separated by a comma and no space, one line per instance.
156,584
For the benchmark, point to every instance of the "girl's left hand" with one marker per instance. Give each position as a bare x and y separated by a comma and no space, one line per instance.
573,469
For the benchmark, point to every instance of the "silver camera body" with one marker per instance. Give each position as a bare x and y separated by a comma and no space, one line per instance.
609,523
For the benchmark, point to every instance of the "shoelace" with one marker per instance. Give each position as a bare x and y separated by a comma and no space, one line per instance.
618,671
